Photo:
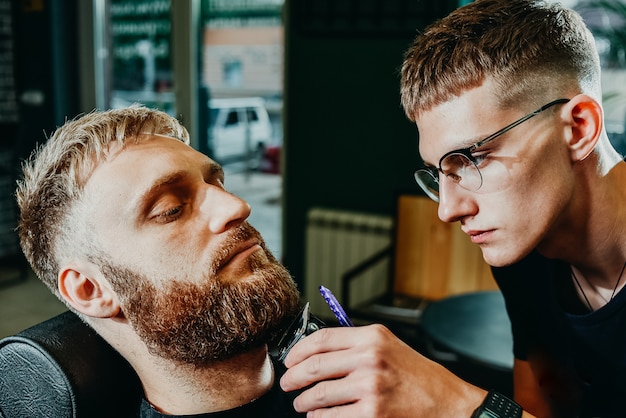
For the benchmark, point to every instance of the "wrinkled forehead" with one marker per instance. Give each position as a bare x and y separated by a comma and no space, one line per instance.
111,150
124,163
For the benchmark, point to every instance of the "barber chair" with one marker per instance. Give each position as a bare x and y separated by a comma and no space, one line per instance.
61,368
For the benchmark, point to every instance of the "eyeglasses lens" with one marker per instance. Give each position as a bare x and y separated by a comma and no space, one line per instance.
428,182
460,169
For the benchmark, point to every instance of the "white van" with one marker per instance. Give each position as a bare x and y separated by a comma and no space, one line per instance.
240,128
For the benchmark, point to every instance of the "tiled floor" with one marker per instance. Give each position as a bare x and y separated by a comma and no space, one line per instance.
27,302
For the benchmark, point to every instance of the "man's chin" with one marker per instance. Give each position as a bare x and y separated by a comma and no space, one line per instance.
501,258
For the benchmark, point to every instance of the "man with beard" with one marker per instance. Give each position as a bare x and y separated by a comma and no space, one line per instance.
134,231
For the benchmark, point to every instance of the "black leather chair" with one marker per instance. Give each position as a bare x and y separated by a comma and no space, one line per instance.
61,368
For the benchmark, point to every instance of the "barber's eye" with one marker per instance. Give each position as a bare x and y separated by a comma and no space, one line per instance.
454,177
479,159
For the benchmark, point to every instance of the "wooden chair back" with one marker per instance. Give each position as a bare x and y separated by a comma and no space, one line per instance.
434,259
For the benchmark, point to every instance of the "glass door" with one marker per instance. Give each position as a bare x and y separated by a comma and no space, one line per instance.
217,65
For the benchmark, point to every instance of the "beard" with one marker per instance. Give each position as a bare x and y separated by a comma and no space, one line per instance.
206,321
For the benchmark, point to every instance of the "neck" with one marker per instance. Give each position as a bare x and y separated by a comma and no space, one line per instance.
590,232
593,296
178,389
181,389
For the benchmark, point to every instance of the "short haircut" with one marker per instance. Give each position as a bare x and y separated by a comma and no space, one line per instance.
533,51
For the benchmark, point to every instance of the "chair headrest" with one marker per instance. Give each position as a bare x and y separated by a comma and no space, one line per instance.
63,368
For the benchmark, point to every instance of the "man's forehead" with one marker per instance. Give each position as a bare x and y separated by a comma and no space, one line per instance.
457,123
132,169
136,150
123,169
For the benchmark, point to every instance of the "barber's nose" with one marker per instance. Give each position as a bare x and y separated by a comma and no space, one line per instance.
224,209
455,203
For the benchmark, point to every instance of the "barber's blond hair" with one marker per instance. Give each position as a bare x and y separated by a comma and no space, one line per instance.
55,175
534,51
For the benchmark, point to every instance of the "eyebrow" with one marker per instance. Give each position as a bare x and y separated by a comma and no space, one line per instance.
214,169
470,142
466,144
436,166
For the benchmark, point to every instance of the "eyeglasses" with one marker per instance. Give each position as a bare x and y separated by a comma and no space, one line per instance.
461,166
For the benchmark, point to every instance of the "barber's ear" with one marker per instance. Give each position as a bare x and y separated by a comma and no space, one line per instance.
584,118
86,290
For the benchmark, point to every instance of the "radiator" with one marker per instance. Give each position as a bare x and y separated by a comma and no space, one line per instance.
337,241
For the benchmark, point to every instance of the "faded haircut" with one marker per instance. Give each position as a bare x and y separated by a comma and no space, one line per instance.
52,186
533,51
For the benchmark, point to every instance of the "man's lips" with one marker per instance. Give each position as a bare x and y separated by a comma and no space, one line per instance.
241,252
479,237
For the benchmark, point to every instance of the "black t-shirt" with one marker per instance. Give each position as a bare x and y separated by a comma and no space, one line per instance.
274,404
578,356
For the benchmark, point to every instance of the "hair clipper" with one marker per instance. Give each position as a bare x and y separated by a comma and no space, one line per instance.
304,324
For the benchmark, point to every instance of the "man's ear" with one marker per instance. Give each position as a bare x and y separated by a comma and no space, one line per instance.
85,289
584,117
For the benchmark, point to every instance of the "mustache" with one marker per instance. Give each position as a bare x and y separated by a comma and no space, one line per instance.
232,242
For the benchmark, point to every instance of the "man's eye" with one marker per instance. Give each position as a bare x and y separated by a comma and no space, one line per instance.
169,215
454,177
480,158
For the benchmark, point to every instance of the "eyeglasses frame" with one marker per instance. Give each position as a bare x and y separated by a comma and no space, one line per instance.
467,152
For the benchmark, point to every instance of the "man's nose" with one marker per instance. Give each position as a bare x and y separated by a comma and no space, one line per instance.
224,209
455,202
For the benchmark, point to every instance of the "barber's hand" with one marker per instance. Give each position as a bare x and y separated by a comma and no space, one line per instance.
368,372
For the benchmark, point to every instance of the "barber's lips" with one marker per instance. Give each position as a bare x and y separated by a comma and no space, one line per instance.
479,237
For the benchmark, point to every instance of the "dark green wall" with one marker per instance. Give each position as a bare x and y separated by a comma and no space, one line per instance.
46,67
347,143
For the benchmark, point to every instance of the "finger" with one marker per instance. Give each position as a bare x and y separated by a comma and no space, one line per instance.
348,397
343,411
326,394
318,367
332,354
324,340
